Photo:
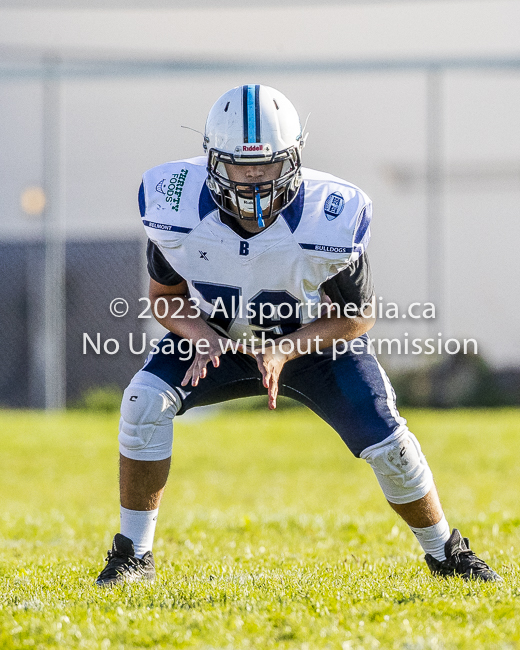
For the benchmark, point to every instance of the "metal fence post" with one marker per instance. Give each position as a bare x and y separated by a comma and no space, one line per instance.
54,240
436,228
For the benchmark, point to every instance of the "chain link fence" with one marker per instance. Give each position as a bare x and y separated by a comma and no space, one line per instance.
97,272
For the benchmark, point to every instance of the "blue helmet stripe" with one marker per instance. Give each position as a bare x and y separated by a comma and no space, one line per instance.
251,114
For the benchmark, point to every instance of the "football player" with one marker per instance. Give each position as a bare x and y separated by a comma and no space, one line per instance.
261,264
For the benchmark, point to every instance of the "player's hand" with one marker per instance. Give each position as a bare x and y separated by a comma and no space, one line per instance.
270,365
198,369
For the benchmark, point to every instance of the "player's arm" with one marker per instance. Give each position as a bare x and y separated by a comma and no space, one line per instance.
318,335
351,291
353,287
183,319
168,288
329,328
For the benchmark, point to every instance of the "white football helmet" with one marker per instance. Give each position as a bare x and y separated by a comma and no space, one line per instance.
253,125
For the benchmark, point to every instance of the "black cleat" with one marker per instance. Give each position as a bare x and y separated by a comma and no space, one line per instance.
461,561
123,566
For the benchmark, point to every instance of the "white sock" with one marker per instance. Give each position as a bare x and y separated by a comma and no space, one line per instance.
139,526
433,538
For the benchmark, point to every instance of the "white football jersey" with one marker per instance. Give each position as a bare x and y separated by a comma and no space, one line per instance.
270,281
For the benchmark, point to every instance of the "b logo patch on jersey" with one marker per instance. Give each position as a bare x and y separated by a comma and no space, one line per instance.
244,248
334,205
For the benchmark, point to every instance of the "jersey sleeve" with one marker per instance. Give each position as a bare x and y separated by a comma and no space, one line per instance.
159,268
354,284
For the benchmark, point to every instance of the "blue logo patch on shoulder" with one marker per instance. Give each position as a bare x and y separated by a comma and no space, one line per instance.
334,205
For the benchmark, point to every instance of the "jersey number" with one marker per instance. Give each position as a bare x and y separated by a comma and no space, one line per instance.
275,311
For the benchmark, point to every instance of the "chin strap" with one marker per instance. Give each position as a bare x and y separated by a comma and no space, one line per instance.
259,214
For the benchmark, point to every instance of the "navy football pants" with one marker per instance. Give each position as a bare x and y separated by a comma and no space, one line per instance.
351,393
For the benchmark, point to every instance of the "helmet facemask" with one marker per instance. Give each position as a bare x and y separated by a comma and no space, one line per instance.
254,201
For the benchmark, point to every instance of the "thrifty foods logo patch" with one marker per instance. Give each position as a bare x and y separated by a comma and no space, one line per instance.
334,205
175,187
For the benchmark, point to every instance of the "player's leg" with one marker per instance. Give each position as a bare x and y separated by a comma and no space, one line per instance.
353,394
142,483
149,404
145,442
398,462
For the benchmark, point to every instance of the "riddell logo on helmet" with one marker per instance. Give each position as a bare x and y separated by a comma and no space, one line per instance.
255,147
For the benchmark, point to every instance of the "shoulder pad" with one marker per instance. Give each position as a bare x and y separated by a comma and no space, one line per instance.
169,198
336,218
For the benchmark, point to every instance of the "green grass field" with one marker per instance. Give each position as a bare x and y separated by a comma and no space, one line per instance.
270,536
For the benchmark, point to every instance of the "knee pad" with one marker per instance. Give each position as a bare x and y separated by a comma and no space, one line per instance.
400,467
146,425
